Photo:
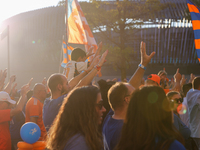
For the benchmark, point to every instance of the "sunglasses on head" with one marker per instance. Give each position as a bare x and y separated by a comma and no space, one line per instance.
100,104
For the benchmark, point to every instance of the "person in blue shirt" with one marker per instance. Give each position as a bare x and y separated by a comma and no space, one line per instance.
149,123
76,126
60,87
118,97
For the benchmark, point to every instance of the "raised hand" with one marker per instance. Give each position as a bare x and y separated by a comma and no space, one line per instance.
29,83
192,76
183,80
3,76
90,52
14,90
25,88
94,62
177,76
99,49
103,57
145,59
12,78
44,81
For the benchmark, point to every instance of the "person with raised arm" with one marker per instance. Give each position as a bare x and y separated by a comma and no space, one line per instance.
60,87
119,97
193,101
78,62
6,114
139,73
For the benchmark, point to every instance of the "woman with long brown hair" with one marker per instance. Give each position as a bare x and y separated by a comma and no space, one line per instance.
77,124
149,123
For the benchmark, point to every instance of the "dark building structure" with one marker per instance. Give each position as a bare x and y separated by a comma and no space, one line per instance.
36,43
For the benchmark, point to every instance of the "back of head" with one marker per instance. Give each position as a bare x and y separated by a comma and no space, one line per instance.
29,94
151,106
196,83
76,116
171,94
39,91
186,88
149,118
37,87
104,87
76,53
54,80
116,95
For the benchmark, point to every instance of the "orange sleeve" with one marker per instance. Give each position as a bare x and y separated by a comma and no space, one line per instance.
166,91
5,115
33,108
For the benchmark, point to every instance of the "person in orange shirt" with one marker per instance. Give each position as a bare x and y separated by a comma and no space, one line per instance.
6,114
34,108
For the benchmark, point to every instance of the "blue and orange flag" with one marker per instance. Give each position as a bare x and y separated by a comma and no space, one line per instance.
66,54
77,27
195,16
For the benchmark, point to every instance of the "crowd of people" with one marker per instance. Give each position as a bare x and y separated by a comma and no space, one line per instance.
74,114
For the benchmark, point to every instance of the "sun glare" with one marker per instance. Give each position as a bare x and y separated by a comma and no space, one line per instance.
12,7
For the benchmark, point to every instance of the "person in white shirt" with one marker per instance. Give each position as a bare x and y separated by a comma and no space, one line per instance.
184,115
77,64
193,101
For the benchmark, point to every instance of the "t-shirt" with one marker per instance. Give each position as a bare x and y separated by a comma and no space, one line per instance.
5,140
193,101
70,68
184,116
34,109
50,110
112,131
176,145
77,142
15,125
182,128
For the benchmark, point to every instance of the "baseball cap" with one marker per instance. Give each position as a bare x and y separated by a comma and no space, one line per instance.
4,96
154,77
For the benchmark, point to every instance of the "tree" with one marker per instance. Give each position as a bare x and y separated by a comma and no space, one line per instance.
118,23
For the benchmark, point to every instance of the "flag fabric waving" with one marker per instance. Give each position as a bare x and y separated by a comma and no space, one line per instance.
66,54
77,27
195,16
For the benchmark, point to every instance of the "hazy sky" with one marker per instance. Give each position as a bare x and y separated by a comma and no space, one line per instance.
9,8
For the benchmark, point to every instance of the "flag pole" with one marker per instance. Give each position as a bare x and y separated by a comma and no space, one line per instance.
61,53
65,35
8,52
66,26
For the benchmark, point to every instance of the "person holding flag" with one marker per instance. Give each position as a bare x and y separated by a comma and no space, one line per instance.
79,61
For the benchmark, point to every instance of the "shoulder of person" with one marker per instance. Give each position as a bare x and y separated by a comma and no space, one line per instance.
176,145
77,142
70,64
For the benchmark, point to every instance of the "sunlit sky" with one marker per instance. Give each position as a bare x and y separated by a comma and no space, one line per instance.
9,8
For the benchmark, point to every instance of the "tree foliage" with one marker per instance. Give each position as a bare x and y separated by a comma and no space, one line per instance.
117,24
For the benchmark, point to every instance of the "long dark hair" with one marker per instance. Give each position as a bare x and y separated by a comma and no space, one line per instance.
148,124
77,115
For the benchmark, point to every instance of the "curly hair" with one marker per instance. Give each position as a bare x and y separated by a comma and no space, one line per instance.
77,115
148,124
